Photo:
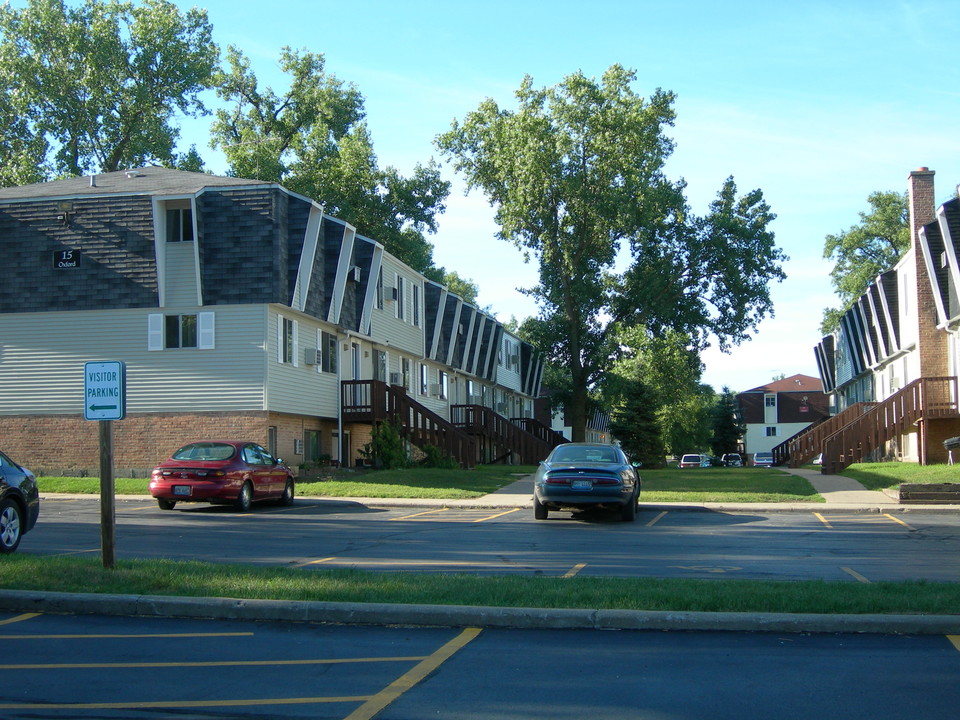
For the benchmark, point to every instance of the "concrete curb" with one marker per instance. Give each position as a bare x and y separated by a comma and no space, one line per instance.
155,606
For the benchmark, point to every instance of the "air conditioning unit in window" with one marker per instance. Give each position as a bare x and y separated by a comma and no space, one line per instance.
312,356
297,446
514,359
396,379
501,408
434,389
355,273
390,294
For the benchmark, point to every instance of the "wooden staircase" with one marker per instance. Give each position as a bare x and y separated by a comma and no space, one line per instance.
373,401
500,439
922,400
808,443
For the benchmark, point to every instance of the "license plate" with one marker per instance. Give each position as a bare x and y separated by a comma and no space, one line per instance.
582,485
181,489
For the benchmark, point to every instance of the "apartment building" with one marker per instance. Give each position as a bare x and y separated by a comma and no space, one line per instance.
240,309
891,367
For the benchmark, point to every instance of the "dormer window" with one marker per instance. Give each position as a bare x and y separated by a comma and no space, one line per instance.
180,223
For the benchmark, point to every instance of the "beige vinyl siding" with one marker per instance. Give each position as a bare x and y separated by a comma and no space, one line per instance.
42,358
299,389
180,282
398,333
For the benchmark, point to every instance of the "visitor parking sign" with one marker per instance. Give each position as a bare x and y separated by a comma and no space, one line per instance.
104,391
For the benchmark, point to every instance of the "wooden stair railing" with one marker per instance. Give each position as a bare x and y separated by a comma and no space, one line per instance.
808,443
923,399
507,439
372,401
544,432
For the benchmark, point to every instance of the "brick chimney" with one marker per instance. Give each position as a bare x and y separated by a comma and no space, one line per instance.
931,342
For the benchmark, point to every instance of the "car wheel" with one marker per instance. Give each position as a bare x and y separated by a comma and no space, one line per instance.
628,512
10,524
539,509
166,504
245,498
287,497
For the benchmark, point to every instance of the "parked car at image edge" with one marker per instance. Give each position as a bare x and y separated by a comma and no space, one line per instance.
225,472
691,460
19,503
763,459
580,475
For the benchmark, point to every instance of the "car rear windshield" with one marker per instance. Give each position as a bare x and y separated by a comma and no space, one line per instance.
584,454
205,451
690,458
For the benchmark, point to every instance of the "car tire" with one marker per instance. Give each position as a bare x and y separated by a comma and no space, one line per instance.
245,498
11,523
287,498
166,504
628,512
539,509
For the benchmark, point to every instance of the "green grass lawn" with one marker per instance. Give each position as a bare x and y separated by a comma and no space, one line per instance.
195,579
730,485
879,476
408,483
725,485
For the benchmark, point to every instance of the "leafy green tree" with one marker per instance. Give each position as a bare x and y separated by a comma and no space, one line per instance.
728,429
97,85
705,277
865,251
634,422
575,172
313,140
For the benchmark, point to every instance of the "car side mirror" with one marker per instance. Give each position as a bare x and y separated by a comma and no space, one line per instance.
637,464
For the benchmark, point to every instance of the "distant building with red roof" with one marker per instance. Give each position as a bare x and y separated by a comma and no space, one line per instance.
780,409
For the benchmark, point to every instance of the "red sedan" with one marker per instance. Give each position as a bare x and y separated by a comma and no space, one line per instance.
227,472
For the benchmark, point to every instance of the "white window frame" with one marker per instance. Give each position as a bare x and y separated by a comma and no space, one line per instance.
281,341
206,331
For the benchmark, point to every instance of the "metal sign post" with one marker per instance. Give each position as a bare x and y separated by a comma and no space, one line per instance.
105,400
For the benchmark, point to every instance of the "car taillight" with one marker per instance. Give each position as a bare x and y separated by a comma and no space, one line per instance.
606,481
557,480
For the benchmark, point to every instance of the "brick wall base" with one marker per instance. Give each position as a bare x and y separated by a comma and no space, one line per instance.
936,431
69,445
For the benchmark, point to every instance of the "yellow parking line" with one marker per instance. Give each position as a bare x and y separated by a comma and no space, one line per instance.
425,512
898,520
405,682
220,663
657,519
822,519
855,574
180,704
78,636
492,517
317,562
574,570
19,618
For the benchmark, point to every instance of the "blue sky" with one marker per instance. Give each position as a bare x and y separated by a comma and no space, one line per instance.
816,103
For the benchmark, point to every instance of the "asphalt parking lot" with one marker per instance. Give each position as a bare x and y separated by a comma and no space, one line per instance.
314,533
59,666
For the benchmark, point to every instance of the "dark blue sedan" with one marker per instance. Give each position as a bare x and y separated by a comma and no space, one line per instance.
579,475
19,503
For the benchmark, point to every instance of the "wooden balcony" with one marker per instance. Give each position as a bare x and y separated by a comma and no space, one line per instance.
373,401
